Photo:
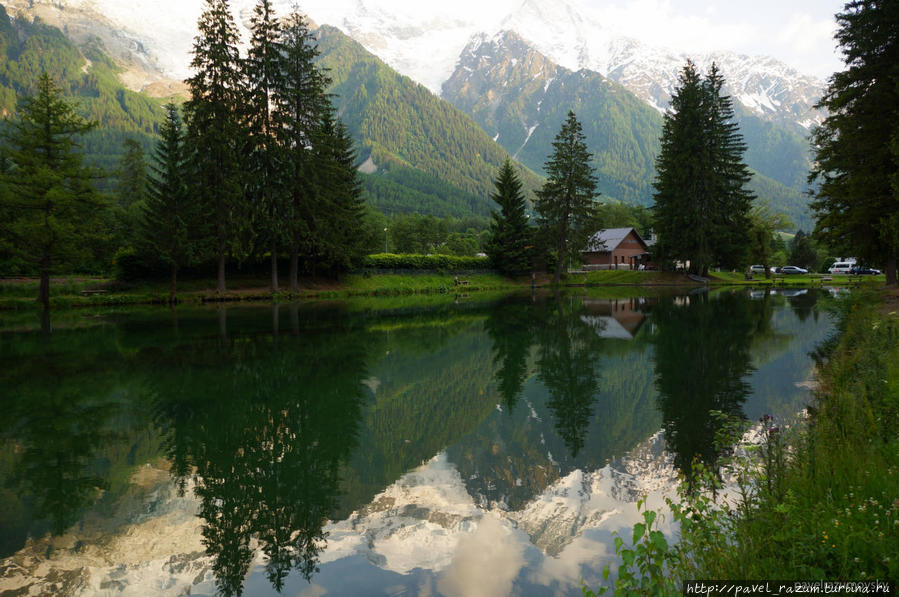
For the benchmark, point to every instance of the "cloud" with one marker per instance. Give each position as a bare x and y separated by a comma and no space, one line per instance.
486,562
806,35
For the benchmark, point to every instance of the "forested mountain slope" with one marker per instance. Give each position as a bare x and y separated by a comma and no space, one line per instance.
406,135
84,74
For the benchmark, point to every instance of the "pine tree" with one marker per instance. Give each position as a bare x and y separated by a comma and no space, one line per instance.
263,72
566,203
857,200
50,200
337,233
214,136
509,232
301,104
172,224
132,175
701,210
730,199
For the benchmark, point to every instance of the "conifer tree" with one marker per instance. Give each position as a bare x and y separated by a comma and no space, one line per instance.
336,235
172,224
263,72
566,203
857,146
301,104
701,210
730,201
509,232
132,175
50,198
214,136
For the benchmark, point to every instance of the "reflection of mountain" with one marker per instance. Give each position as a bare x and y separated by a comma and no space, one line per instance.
598,399
433,385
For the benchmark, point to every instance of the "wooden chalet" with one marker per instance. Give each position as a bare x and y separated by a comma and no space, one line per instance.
617,248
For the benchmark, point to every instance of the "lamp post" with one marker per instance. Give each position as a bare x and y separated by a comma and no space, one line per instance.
385,239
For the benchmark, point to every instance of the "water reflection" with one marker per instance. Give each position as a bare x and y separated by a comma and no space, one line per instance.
702,361
261,428
281,424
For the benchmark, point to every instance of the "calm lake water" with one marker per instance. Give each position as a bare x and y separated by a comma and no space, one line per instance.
377,447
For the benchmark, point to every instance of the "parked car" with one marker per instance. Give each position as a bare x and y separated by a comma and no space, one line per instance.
840,267
757,269
792,269
860,270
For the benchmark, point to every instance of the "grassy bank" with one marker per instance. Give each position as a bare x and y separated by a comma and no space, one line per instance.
97,292
739,279
816,503
832,510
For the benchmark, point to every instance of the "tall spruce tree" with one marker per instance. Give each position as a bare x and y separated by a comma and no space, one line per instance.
336,237
856,148
132,175
731,200
701,210
172,224
301,103
50,199
214,136
263,72
566,203
510,235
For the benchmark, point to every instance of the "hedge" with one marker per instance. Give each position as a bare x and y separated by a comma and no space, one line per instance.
425,262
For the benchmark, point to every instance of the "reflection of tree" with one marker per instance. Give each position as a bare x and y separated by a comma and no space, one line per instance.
803,304
59,415
265,427
510,326
567,351
702,357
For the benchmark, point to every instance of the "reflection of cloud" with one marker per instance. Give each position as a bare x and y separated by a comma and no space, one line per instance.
485,563
567,568
313,591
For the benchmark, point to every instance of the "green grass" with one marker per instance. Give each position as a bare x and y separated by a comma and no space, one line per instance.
625,277
739,278
834,512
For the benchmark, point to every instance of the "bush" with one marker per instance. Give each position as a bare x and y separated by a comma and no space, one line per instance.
425,262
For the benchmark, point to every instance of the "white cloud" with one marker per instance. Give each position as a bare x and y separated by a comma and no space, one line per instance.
485,563
805,35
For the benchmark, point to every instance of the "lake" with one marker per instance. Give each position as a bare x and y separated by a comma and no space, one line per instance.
433,446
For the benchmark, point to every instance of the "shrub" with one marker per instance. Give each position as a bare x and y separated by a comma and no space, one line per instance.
425,262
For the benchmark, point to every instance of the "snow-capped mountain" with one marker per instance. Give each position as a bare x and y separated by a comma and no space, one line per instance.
154,37
765,86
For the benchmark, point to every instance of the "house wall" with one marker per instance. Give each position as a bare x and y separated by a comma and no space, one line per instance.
623,256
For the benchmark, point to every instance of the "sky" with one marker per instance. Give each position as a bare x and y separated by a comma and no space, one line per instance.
797,32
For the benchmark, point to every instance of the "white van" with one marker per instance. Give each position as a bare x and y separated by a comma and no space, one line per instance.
840,267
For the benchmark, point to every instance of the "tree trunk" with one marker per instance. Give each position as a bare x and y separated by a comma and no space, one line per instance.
46,330
294,269
221,270
295,319
43,295
276,321
274,269
891,271
223,325
173,285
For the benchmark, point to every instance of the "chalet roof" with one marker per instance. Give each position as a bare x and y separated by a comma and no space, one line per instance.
609,239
